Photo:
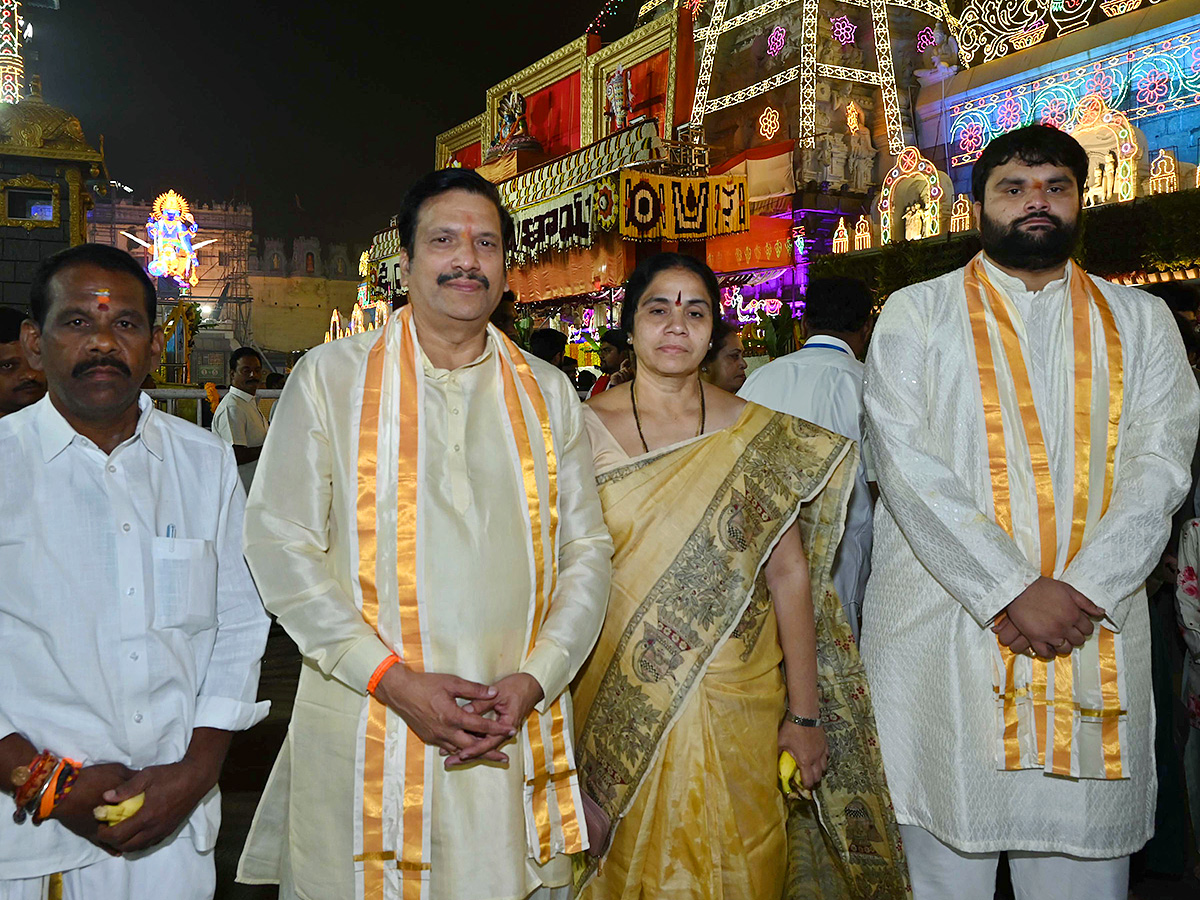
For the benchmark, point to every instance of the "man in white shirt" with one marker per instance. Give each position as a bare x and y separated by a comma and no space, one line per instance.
237,417
823,383
1032,429
20,383
130,630
426,526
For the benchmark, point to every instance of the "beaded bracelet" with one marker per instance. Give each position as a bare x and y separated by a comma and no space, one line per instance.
31,782
60,785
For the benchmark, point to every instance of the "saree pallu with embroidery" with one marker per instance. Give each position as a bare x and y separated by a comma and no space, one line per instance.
679,707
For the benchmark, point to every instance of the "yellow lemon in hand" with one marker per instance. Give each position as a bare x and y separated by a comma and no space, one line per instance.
120,811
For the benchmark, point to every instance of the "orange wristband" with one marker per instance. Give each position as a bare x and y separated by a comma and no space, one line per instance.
380,671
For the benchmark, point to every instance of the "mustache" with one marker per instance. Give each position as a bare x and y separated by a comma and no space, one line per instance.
1055,220
110,362
444,278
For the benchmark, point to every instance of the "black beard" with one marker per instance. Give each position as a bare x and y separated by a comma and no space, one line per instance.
1028,251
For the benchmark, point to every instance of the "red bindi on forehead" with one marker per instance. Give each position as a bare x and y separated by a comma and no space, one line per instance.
102,298
679,299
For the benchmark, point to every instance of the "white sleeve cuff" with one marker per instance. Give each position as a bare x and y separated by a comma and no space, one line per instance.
228,714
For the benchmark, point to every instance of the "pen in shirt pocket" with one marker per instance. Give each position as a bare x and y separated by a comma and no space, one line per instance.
171,537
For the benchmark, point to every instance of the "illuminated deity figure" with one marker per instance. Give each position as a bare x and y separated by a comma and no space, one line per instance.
171,227
513,132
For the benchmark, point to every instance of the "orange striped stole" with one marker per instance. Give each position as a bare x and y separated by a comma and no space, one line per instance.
1065,715
392,827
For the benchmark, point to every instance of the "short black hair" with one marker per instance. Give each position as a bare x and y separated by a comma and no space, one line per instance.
241,352
102,256
837,304
440,182
616,337
649,269
547,343
1034,145
275,381
10,325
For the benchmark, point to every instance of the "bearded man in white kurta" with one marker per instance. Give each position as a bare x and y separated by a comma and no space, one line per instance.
1033,428
425,524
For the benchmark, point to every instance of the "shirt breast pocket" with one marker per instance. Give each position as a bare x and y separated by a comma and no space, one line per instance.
185,584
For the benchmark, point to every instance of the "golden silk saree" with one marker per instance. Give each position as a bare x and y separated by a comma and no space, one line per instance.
679,706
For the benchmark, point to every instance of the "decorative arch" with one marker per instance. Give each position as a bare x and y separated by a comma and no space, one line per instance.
1093,115
910,164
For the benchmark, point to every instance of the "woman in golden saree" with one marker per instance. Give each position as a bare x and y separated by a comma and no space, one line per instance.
722,513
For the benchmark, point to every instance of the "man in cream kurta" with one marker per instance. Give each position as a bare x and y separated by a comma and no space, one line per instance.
474,560
943,570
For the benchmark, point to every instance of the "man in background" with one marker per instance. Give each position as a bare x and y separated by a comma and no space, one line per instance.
823,383
548,344
238,418
20,383
614,360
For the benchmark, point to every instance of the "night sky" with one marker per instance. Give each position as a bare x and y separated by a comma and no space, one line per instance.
337,104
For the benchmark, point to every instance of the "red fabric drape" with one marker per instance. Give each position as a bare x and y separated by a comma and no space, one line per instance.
470,156
553,115
649,81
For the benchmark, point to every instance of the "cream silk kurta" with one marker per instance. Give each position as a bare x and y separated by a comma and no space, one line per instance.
942,569
300,518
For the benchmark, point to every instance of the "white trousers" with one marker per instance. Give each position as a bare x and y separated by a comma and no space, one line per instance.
175,870
939,872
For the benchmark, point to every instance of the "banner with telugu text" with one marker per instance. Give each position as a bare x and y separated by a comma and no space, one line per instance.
667,207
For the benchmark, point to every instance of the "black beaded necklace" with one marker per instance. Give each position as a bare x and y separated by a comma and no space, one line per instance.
637,420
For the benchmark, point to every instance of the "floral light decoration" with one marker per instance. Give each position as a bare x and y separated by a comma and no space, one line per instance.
925,39
768,122
842,29
694,7
1153,87
841,237
776,40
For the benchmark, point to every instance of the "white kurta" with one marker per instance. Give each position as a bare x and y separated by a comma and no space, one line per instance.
822,382
238,420
300,517
942,569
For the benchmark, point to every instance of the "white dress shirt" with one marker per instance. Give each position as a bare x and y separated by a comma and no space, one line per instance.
822,382
238,419
942,569
127,614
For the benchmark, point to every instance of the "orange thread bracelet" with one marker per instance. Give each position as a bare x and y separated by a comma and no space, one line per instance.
380,670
